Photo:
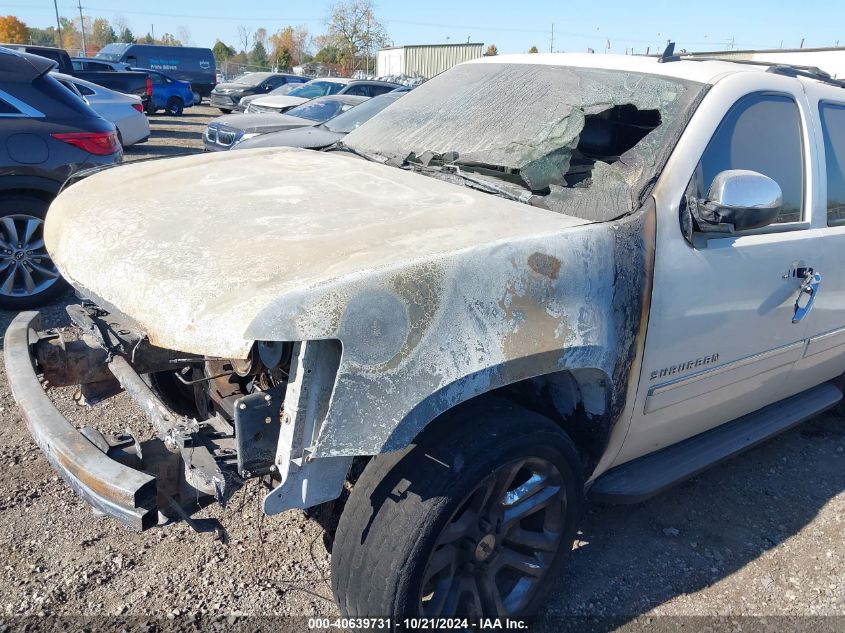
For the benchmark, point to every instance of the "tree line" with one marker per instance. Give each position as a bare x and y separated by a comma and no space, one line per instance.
353,36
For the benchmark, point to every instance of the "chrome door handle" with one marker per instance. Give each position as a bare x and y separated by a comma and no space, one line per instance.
810,286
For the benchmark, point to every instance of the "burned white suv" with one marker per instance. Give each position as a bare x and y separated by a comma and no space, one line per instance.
531,281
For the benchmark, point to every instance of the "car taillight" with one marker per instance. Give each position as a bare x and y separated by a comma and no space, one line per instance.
99,143
149,86
138,107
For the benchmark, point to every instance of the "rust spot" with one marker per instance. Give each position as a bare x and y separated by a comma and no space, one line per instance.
545,265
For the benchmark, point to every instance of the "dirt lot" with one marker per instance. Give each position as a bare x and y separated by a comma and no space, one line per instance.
759,536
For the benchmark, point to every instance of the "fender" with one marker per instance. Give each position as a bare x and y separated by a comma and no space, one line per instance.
422,338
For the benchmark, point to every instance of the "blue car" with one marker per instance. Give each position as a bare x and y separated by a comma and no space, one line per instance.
168,94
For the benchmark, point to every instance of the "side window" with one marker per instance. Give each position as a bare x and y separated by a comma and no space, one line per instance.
761,132
833,130
379,90
156,79
8,109
359,91
78,65
85,90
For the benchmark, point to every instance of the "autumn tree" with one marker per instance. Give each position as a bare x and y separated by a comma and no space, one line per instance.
289,46
13,30
533,49
356,31
102,33
491,51
71,37
168,39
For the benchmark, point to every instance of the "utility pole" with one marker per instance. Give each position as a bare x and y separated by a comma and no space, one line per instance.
82,26
552,44
58,22
802,43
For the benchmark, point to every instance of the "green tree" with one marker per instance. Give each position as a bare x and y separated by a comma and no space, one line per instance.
147,39
533,49
222,51
43,37
328,55
126,36
283,59
258,54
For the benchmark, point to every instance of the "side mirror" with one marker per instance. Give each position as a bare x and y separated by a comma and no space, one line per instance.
738,200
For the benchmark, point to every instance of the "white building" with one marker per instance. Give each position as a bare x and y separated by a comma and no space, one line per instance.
426,60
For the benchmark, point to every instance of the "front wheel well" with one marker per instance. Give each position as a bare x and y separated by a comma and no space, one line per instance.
40,194
577,400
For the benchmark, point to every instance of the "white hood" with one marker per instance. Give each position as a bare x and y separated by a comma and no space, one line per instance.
194,248
278,102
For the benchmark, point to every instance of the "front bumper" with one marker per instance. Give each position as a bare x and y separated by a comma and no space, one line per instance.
128,480
223,101
124,493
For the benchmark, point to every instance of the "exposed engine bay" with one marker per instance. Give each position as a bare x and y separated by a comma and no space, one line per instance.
216,421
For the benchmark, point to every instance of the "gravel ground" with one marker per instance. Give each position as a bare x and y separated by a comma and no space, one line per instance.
761,535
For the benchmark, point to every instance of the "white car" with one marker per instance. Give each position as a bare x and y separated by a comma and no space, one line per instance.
320,88
307,91
125,111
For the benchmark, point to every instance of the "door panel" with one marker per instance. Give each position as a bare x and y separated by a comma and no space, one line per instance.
721,342
825,355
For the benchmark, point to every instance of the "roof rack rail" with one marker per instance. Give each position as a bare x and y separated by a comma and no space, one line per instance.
778,68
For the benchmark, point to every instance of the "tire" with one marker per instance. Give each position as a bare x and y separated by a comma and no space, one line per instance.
225,111
392,534
28,277
174,106
151,108
197,98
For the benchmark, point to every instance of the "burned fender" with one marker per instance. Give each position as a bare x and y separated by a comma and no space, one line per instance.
420,338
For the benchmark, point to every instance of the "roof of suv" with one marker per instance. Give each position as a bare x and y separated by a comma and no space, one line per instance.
709,71
20,67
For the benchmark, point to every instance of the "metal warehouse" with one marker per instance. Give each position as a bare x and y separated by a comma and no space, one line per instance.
426,60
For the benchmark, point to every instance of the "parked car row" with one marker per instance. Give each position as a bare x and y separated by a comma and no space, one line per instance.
291,106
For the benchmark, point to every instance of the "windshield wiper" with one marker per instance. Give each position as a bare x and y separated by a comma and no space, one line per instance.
451,169
340,146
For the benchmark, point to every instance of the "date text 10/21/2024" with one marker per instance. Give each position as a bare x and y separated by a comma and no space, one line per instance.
417,624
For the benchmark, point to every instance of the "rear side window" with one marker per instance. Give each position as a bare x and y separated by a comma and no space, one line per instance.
7,108
379,90
833,131
761,132
358,91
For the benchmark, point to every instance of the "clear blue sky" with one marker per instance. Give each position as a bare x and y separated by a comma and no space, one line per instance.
512,26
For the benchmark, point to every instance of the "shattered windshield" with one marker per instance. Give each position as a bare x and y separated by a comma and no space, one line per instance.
581,141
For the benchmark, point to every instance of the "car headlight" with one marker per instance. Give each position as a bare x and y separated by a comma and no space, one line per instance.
245,137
